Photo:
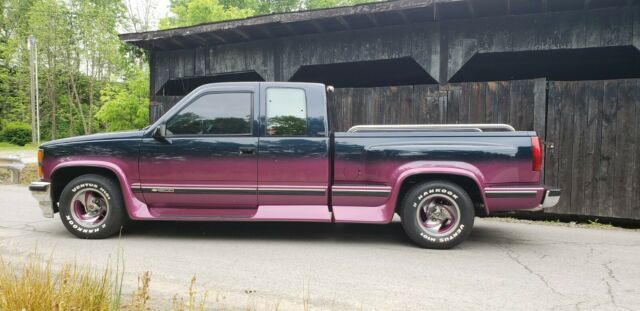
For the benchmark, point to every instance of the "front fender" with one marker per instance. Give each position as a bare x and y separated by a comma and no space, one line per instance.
135,208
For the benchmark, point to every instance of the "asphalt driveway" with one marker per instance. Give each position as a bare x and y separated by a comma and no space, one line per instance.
503,265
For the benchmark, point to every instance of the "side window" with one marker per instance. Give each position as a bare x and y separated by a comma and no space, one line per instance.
286,112
214,114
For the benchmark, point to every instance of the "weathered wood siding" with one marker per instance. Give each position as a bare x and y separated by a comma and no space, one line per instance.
160,104
441,48
594,127
512,102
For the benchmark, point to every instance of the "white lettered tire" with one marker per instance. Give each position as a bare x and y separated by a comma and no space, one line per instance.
91,207
437,214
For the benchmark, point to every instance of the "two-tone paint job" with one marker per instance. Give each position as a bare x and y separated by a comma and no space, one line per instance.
346,177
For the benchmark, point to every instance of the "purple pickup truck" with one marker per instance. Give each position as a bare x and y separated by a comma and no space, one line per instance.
262,151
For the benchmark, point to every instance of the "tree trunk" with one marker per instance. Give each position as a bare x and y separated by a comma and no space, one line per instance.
51,97
77,97
91,106
71,121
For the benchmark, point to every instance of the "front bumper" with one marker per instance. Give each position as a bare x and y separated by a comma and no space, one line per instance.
42,192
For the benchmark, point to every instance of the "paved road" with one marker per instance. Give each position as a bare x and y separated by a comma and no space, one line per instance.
502,266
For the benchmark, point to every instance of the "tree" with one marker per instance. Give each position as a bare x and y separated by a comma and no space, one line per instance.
139,15
14,99
287,126
125,105
193,12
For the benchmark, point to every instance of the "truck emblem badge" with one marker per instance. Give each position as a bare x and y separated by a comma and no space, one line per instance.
163,190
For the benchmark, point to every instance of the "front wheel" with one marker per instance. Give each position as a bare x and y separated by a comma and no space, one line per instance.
91,207
437,214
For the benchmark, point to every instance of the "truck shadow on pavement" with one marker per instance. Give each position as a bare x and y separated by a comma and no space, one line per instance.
295,232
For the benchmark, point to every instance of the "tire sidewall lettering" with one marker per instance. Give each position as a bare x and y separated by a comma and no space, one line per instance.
93,186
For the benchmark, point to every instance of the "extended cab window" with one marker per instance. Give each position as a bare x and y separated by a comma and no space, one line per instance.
214,114
286,112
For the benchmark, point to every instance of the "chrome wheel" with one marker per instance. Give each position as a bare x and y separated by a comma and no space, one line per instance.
89,208
438,214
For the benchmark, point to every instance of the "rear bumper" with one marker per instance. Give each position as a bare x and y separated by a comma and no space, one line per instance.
551,198
515,198
41,191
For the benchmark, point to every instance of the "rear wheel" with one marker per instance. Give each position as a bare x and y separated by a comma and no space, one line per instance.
437,214
91,207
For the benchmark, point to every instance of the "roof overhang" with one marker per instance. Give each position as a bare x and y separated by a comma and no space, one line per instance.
379,14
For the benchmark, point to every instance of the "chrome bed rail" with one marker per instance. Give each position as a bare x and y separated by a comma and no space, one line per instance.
434,127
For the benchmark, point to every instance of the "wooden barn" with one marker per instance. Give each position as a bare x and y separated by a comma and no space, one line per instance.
568,69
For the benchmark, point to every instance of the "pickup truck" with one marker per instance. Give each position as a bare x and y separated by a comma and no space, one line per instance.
262,151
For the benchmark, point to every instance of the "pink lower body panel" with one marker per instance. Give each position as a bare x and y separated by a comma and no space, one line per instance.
501,199
362,203
311,213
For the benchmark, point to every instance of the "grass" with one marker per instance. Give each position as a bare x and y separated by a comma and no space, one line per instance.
35,285
597,224
4,146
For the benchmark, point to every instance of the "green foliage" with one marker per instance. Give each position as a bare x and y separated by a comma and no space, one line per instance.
17,133
125,105
193,12
79,55
88,80
287,126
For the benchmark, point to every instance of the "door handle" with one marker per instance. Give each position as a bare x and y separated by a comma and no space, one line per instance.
247,150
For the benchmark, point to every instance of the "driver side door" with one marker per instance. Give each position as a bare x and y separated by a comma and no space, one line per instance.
208,159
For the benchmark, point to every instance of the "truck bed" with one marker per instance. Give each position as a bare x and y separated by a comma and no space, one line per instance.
377,161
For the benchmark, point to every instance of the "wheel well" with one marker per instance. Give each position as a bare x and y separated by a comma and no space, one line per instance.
468,184
64,175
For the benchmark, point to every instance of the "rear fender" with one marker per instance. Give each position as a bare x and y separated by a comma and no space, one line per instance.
432,167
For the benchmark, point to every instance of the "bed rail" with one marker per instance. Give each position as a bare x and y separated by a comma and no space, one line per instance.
434,127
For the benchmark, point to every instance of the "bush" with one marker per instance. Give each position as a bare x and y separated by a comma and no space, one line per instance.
16,133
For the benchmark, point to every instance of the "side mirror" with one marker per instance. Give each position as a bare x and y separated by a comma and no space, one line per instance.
161,132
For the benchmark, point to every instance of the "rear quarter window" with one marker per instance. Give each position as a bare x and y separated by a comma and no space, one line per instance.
286,112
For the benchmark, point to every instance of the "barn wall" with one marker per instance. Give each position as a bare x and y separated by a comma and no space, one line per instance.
594,127
540,32
511,102
441,49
